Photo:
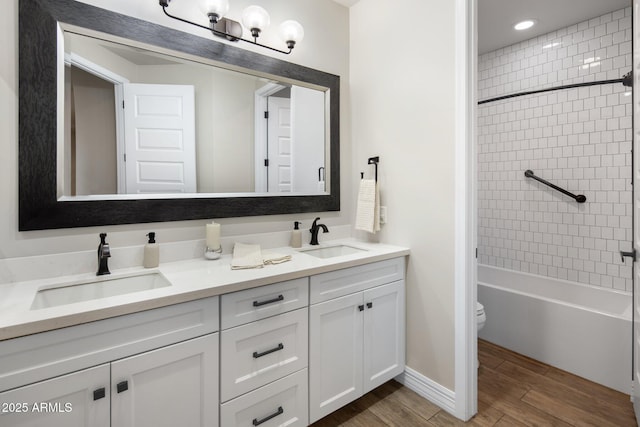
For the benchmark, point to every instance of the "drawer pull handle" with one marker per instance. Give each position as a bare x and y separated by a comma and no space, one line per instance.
264,353
369,304
270,301
257,422
122,386
99,393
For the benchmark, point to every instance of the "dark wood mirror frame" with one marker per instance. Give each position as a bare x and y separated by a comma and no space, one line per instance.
39,207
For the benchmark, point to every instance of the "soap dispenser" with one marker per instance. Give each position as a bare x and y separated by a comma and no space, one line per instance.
151,252
296,235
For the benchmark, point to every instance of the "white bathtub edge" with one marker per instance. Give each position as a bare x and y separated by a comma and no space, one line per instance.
553,332
625,315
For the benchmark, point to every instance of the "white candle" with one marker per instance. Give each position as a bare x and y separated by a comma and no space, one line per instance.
213,235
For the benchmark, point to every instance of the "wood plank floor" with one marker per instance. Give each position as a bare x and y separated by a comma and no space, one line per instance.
513,390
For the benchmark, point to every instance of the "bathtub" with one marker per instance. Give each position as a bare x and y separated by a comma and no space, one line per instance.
581,329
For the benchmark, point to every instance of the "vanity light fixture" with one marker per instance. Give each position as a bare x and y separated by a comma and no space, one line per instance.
255,18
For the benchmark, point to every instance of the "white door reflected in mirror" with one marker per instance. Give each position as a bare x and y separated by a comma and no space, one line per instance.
159,142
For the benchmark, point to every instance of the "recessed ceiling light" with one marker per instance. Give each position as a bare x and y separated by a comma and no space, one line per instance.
523,25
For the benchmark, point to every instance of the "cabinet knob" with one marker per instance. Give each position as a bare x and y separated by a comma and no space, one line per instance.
361,307
122,386
99,393
369,304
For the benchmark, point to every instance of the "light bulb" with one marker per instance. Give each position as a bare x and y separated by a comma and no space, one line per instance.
255,18
215,7
291,32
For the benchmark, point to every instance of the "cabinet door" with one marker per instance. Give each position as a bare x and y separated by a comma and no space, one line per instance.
335,354
384,334
172,386
66,401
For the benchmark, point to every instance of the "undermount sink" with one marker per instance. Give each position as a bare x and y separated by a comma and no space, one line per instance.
101,287
332,251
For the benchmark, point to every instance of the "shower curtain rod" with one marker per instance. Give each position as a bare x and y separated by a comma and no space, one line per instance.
626,80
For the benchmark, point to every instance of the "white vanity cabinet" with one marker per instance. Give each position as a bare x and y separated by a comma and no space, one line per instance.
356,333
264,355
158,367
170,386
286,353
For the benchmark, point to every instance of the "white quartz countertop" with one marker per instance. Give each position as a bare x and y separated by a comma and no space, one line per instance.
190,280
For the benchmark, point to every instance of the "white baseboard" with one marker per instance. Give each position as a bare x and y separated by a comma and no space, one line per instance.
429,389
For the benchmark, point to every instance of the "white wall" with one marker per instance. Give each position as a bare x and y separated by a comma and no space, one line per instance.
321,49
579,139
402,104
95,135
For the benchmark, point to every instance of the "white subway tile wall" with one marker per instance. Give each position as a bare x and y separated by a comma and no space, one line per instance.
579,139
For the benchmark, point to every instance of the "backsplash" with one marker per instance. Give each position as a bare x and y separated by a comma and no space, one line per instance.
579,139
71,263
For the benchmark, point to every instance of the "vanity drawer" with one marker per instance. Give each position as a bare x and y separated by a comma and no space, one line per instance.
257,353
254,304
338,283
283,402
46,355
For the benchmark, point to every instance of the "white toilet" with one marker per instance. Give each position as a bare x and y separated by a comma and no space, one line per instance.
481,318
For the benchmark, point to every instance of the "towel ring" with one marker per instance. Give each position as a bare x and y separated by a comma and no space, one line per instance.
372,161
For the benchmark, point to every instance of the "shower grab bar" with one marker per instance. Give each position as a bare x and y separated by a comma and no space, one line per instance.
579,198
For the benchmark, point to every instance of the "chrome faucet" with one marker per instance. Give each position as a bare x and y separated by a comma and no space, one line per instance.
104,252
314,231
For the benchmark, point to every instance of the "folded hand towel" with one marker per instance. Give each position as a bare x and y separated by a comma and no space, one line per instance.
274,258
246,256
368,207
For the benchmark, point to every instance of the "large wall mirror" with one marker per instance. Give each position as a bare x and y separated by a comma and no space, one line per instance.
124,121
